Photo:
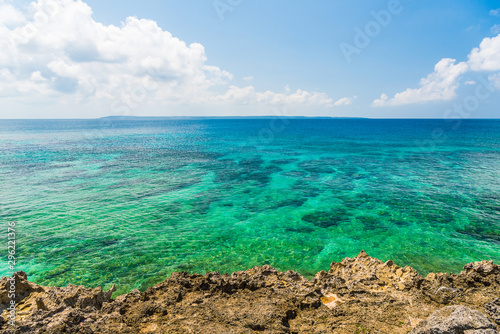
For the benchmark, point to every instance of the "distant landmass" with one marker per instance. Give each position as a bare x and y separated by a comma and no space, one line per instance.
154,118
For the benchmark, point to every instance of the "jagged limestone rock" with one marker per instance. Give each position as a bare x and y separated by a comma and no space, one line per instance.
456,319
357,295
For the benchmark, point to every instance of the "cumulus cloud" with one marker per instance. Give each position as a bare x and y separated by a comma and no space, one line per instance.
56,50
486,56
248,95
345,101
10,16
59,48
441,85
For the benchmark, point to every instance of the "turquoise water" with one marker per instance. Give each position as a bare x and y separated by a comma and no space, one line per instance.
108,201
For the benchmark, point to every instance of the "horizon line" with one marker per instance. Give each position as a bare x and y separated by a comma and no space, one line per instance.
132,117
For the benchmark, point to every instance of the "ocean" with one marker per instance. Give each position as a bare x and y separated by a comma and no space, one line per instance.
126,201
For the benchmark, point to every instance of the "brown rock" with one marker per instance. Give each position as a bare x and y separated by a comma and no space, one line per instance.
357,295
456,319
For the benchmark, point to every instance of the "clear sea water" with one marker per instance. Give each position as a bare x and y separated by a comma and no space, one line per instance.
98,202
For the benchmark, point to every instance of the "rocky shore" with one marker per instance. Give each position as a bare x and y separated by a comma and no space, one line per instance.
358,295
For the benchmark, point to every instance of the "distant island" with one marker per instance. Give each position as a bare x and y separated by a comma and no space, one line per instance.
159,118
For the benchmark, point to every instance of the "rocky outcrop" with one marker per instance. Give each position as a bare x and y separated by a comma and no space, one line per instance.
357,295
493,310
456,319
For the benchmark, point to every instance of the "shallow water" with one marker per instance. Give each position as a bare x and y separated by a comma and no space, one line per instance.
108,201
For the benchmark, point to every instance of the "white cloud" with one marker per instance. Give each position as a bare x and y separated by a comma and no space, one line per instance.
37,76
249,78
85,58
495,12
248,95
57,51
486,56
345,101
439,85
470,82
10,16
495,29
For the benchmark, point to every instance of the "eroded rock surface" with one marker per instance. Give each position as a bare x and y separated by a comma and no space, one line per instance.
358,295
456,319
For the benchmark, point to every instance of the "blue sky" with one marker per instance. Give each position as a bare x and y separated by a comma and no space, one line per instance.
70,59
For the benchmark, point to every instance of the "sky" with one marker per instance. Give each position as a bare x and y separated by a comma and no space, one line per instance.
339,58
